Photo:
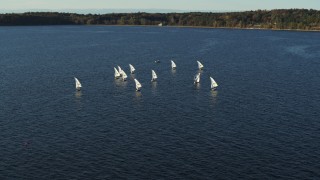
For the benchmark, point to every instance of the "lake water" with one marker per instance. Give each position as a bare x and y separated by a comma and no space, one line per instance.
263,122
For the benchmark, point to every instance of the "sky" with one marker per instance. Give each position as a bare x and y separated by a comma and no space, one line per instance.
161,5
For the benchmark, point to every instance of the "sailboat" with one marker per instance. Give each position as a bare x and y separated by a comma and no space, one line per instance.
138,85
197,78
124,76
173,65
78,84
116,73
200,66
120,70
154,76
132,69
214,84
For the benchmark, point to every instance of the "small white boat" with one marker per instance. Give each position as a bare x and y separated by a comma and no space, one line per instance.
154,76
116,73
200,66
138,85
157,61
173,65
124,76
214,84
78,84
132,69
120,70
197,78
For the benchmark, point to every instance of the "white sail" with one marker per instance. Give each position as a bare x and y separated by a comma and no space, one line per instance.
138,85
78,84
124,76
116,73
154,75
173,65
132,69
197,78
200,66
214,84
120,70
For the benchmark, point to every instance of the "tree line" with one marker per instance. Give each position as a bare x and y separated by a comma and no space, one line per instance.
303,19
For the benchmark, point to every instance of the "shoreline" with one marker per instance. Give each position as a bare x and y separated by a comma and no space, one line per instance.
174,26
208,27
302,20
271,29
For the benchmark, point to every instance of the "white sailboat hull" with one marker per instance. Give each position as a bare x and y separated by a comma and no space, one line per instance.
78,84
214,84
138,85
124,76
173,65
200,66
132,69
116,73
154,76
120,70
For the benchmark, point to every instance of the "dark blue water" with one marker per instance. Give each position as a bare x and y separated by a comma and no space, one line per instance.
262,122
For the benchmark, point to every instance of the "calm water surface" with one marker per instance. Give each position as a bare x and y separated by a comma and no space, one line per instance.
262,122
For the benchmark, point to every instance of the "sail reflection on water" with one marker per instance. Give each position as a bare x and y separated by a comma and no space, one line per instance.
120,83
197,86
154,85
78,100
78,94
138,98
213,97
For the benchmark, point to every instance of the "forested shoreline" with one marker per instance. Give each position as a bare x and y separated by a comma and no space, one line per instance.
294,19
